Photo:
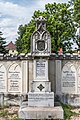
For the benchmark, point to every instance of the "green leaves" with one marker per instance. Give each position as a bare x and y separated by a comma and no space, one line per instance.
60,24
24,38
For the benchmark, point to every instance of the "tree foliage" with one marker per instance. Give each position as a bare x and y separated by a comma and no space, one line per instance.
60,24
77,20
77,11
23,40
2,44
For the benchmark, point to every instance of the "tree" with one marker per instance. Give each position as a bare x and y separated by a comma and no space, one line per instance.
77,11
2,44
77,20
60,24
21,32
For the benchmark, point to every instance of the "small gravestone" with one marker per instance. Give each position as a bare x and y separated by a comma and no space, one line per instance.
40,98
3,83
69,78
14,79
3,79
70,82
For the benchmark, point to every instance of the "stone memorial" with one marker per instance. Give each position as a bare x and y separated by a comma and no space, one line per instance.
3,79
14,79
70,83
40,98
69,78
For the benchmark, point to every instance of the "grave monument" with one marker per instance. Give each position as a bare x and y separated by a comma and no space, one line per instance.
40,98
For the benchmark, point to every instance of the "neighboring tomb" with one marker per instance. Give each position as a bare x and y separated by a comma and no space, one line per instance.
14,79
69,78
3,79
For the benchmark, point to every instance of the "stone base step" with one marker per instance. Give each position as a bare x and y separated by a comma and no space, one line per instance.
41,113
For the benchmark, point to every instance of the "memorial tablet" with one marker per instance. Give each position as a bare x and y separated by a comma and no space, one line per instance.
40,68
15,79
69,78
3,79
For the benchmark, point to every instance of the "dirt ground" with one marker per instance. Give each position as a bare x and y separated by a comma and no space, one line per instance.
9,113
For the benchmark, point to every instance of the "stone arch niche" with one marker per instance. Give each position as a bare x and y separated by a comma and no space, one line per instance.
14,79
69,79
3,79
40,39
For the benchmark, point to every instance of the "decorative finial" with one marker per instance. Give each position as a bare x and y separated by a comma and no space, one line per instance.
41,19
41,23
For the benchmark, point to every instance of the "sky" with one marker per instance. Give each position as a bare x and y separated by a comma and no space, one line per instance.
16,12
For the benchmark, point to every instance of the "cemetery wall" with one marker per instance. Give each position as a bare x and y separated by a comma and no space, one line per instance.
16,75
13,76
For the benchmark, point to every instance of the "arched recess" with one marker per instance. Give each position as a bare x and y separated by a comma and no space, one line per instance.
69,79
47,38
34,38
14,79
3,79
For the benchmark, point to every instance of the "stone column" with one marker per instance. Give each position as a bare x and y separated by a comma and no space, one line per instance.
24,77
58,76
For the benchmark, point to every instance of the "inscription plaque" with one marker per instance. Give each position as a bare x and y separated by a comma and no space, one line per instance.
3,79
40,68
14,79
68,79
41,99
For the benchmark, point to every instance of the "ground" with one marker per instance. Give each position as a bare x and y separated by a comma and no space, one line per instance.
9,113
77,117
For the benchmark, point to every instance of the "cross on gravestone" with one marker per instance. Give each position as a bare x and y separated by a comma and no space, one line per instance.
40,87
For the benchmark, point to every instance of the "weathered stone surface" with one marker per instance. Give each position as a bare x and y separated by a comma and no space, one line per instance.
15,79
69,79
41,113
41,99
39,86
3,79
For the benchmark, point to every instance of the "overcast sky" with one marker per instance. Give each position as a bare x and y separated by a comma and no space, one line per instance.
16,12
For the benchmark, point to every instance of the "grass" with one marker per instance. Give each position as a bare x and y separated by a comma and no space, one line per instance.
6,114
68,111
17,119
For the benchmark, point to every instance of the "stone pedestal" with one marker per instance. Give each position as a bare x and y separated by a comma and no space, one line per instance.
41,99
41,86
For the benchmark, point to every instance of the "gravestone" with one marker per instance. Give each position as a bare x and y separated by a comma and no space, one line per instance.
3,79
14,79
70,82
3,83
69,78
40,98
